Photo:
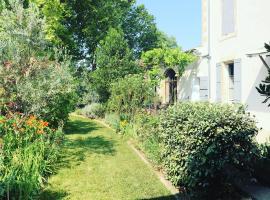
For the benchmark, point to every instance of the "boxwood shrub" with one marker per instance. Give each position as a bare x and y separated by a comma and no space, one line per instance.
200,140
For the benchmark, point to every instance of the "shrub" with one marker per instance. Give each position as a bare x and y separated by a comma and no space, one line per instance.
29,153
130,94
147,135
199,140
35,78
113,120
94,110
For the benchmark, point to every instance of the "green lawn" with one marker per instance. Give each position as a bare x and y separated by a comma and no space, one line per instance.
99,165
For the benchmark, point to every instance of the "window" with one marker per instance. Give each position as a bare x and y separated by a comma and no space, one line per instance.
228,17
231,81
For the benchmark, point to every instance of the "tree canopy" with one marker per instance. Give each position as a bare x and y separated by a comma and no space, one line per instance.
114,60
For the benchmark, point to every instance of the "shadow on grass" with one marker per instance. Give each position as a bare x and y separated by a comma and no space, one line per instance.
76,149
170,197
52,195
80,127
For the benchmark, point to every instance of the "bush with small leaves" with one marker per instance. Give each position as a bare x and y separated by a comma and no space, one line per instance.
199,140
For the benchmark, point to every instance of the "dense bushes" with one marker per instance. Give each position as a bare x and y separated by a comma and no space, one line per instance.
130,94
147,135
94,110
29,152
35,78
200,140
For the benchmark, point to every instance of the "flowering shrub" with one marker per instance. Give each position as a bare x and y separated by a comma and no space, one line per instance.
29,151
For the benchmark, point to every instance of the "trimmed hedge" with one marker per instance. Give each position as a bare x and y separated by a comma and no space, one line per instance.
199,141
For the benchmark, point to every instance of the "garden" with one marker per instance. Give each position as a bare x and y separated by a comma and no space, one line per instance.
76,93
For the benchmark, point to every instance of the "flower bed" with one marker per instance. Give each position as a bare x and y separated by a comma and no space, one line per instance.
28,154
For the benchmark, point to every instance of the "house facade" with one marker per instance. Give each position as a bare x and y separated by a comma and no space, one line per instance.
230,57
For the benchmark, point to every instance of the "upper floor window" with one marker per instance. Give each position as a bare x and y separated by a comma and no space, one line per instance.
228,17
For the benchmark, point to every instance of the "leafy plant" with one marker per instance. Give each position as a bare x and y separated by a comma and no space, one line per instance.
147,135
264,87
114,61
130,94
200,140
160,59
94,110
29,153
35,79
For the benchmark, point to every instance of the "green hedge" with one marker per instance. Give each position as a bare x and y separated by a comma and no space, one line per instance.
200,139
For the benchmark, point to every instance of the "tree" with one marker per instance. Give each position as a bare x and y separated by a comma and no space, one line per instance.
140,30
165,41
34,78
114,60
264,87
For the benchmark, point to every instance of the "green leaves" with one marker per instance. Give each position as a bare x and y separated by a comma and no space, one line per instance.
114,61
163,58
130,94
35,78
200,139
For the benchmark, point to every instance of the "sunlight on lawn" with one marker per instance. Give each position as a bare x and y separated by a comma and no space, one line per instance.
98,164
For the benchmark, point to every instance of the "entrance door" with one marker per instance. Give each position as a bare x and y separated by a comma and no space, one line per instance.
171,86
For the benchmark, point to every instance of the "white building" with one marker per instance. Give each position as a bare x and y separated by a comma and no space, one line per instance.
229,68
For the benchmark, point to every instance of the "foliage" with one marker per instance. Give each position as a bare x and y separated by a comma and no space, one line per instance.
90,21
130,94
164,41
147,135
156,61
140,30
113,120
29,153
114,61
264,87
35,79
200,140
55,12
94,110
167,57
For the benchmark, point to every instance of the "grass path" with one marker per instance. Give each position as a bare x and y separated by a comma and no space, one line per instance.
99,165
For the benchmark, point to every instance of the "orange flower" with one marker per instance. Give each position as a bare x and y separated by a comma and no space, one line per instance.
32,117
29,123
45,124
40,131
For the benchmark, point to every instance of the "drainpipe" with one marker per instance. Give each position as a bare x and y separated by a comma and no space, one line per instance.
209,50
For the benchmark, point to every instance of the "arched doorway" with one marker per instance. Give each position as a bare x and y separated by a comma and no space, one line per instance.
171,86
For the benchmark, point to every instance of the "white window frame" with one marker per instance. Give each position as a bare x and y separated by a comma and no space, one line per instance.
229,35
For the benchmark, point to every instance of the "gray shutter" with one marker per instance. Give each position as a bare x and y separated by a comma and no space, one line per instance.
204,91
237,81
218,82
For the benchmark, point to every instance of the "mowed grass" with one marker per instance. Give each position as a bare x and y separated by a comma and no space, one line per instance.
99,165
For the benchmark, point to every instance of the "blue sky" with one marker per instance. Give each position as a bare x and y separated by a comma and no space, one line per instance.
178,18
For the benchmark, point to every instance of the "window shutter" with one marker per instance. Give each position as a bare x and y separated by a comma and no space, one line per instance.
228,17
237,81
204,84
218,82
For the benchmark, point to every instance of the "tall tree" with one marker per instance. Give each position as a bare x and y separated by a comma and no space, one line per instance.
264,87
114,60
140,30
